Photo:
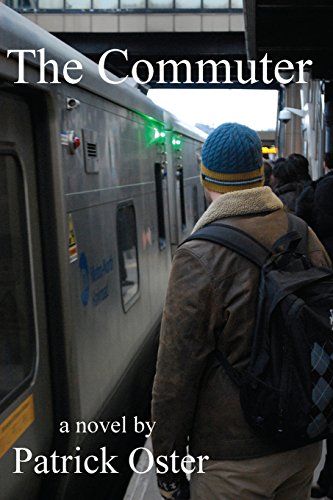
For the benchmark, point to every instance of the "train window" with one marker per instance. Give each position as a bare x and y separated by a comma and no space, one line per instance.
77,4
236,4
159,176
17,331
128,254
133,4
160,4
216,4
188,4
23,4
105,4
51,4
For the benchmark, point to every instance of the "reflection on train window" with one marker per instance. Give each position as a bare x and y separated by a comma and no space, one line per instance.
17,333
128,254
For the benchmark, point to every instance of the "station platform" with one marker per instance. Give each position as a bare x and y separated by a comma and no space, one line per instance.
144,486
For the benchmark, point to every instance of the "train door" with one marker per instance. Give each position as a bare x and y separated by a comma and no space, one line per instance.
25,394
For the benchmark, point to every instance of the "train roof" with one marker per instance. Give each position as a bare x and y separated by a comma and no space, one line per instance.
174,123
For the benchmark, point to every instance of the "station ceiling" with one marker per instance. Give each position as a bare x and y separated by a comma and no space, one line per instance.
293,30
284,29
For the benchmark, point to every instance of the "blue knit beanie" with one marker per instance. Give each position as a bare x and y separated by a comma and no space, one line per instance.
232,159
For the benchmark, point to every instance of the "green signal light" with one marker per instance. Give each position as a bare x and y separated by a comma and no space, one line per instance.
158,135
176,142
154,132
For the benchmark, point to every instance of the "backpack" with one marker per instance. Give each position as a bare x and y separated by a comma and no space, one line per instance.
286,392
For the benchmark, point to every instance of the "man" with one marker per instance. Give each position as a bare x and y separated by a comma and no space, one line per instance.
315,205
211,304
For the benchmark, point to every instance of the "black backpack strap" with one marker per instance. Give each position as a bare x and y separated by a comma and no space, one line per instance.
243,244
295,240
301,227
235,239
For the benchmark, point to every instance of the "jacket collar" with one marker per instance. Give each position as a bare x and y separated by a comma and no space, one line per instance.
287,188
243,202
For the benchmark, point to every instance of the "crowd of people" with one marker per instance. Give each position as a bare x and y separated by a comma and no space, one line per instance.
312,201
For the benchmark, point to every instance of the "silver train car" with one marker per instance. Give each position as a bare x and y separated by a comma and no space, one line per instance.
98,187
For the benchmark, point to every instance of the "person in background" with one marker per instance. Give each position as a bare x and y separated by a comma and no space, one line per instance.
211,304
285,184
315,205
302,168
272,181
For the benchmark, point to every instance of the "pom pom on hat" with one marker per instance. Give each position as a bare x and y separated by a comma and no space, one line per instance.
232,159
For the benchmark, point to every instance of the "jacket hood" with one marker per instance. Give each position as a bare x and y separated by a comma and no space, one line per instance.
244,202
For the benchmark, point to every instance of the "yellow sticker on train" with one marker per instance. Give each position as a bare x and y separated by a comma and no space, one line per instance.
14,425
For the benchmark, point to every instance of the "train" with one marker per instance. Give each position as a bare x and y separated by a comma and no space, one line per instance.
98,187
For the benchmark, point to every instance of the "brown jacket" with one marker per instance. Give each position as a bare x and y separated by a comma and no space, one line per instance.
210,304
